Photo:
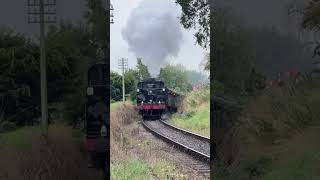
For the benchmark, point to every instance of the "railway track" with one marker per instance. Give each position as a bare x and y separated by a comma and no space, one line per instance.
196,145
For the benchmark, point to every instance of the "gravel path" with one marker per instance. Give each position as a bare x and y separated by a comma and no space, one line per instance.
190,141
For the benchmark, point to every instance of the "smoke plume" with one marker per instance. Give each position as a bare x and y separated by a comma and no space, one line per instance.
153,32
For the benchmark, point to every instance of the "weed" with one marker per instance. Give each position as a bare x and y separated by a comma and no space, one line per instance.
130,170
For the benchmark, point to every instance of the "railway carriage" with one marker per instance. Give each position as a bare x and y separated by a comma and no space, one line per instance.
154,99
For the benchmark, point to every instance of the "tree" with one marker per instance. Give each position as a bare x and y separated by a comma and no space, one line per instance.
195,77
311,20
131,77
196,14
232,57
311,15
175,77
131,80
143,72
98,19
115,86
207,63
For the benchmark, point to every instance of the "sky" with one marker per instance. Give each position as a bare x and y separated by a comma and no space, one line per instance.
149,16
13,14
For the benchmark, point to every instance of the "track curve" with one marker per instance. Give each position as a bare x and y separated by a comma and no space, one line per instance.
194,144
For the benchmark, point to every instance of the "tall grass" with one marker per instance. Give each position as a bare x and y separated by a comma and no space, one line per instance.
27,156
275,135
133,155
195,112
279,113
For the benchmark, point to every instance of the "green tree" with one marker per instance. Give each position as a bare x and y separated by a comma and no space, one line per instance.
115,86
196,14
98,20
19,83
142,69
131,80
311,20
175,77
311,15
195,77
232,57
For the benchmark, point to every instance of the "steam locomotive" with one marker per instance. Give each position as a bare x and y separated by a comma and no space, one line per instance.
154,99
96,116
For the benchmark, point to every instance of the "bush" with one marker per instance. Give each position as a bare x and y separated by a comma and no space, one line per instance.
7,126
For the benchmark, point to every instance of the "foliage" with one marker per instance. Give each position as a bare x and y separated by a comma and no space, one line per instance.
131,80
196,77
232,57
207,63
311,20
68,54
18,87
196,14
115,86
274,138
132,77
196,112
311,15
98,19
128,170
175,77
143,72
255,82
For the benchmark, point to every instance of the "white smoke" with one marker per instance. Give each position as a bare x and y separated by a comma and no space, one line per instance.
153,32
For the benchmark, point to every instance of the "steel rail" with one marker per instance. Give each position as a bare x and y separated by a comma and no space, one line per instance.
203,157
186,131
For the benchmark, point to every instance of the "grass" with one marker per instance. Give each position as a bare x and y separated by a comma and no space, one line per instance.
300,158
132,169
277,137
19,139
134,156
114,106
196,113
25,154
140,170
166,170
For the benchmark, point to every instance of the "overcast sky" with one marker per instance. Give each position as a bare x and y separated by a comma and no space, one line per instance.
13,13
147,14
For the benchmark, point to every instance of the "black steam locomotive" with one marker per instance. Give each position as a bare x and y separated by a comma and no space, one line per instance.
97,116
154,99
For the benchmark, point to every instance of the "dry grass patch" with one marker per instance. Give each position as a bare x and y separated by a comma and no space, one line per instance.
133,156
58,158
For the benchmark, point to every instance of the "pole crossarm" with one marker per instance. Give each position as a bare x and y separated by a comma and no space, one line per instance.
38,8
111,14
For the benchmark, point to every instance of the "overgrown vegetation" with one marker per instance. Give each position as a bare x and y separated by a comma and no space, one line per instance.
133,155
27,156
175,77
69,50
195,112
274,131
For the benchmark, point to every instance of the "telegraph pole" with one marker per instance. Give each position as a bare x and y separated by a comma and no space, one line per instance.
123,65
42,12
111,14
